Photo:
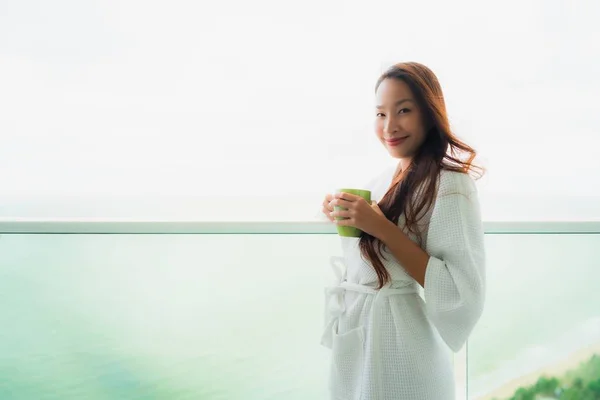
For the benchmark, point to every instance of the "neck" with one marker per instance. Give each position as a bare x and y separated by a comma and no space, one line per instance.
404,164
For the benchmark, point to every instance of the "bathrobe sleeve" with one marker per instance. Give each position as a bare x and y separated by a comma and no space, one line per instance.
454,286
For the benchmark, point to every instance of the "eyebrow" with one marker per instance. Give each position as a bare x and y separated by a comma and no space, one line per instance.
397,103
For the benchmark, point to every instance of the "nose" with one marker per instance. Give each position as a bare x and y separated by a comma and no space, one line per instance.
389,126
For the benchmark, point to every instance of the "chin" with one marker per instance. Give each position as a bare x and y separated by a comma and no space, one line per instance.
397,155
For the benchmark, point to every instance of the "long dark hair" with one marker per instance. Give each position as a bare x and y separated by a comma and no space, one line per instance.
413,191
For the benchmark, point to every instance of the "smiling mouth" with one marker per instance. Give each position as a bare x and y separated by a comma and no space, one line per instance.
396,141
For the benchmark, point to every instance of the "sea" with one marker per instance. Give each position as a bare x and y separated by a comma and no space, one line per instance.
239,316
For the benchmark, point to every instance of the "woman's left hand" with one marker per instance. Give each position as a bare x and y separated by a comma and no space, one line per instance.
359,214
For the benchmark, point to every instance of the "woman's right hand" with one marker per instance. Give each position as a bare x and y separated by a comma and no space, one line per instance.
327,207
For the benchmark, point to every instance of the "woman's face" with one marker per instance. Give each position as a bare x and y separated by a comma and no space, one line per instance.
399,122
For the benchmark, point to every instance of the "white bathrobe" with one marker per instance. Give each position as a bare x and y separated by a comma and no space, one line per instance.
394,343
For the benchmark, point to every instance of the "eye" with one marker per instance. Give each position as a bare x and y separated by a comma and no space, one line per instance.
403,111
379,115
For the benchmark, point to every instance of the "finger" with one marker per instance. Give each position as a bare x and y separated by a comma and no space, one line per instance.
344,222
342,203
327,213
341,214
328,198
327,205
347,196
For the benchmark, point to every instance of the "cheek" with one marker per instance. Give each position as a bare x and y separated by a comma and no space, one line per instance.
415,126
378,125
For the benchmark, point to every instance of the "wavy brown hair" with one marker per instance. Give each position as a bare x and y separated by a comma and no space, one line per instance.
413,191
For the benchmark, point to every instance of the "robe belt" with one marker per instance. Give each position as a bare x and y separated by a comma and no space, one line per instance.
334,297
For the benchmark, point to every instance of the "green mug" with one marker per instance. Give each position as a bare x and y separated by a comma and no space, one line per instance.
350,231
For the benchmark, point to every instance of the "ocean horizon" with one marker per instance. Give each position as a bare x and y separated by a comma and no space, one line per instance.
289,207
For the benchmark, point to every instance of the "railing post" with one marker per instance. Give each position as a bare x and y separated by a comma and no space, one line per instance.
461,373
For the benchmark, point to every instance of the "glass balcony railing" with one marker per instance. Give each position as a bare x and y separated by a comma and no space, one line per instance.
542,318
182,310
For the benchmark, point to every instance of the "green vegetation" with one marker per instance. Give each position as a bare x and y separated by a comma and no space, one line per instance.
582,383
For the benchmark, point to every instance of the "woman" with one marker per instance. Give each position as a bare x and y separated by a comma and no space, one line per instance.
387,341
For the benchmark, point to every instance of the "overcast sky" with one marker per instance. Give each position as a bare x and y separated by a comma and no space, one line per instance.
196,98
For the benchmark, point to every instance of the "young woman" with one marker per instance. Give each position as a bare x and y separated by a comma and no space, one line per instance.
424,234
